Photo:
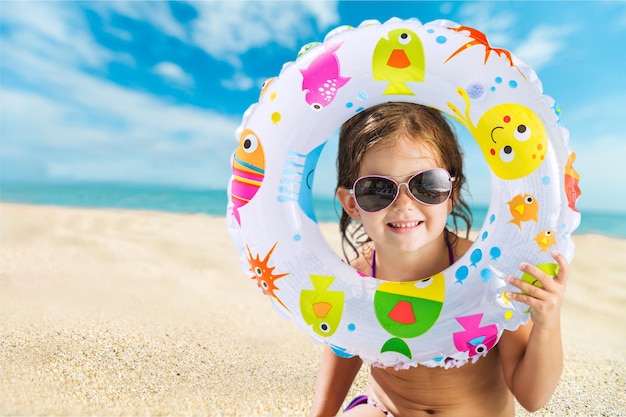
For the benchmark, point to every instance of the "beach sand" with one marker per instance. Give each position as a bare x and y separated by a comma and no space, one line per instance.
113,312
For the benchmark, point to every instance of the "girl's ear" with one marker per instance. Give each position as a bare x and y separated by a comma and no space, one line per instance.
347,202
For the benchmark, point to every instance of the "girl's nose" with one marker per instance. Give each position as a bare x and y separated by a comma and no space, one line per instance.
404,200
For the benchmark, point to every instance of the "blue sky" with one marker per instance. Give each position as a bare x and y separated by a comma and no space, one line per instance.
152,92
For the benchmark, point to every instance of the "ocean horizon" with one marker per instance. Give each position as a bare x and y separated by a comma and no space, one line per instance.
213,202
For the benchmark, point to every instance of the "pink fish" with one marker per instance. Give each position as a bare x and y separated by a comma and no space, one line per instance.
475,339
321,80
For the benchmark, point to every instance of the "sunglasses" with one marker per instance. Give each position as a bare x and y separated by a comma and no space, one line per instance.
375,192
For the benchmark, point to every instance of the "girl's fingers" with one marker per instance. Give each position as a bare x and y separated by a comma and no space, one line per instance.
529,289
563,267
545,281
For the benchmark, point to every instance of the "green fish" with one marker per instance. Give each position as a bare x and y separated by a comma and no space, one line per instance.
408,309
399,59
322,308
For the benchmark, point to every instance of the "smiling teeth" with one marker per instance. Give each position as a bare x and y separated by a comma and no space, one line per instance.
401,225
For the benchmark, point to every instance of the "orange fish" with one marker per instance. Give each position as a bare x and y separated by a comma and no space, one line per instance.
545,239
523,208
248,171
572,191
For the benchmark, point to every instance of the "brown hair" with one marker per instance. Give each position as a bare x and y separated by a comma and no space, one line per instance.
382,124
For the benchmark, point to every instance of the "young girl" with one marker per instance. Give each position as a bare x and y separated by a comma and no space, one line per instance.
389,158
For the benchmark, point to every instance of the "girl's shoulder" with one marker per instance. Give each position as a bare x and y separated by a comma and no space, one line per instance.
460,246
363,263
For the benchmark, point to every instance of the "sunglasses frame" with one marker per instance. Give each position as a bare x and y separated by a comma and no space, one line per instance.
352,191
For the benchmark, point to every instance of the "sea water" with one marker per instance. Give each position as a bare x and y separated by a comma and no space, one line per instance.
213,202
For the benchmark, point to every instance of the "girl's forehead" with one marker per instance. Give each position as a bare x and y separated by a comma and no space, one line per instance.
399,157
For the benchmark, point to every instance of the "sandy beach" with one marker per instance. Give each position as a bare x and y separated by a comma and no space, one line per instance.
114,312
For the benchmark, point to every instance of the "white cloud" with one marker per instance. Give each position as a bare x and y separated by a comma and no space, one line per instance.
102,132
495,24
52,30
66,124
157,13
240,82
542,45
227,29
174,74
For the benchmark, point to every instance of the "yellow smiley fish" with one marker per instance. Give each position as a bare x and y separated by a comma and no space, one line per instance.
545,239
512,137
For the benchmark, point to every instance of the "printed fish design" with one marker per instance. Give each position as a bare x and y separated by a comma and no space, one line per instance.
322,308
248,171
264,274
475,340
399,58
524,208
572,191
545,239
296,183
408,309
512,137
321,80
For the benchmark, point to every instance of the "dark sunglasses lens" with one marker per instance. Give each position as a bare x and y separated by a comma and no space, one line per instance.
431,187
374,194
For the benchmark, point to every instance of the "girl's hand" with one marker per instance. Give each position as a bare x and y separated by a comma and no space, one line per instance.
544,300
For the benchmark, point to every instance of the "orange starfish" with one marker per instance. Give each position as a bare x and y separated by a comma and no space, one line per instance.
264,274
480,39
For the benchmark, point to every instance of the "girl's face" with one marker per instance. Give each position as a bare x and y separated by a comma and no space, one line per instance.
407,225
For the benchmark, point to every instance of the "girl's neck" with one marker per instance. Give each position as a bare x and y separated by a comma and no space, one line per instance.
429,260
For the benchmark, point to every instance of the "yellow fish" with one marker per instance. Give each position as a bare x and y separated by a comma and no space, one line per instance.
523,208
398,59
545,239
512,137
322,308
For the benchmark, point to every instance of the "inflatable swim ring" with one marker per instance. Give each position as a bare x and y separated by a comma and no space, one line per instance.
457,315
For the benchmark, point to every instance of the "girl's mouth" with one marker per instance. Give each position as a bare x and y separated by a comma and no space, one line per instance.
404,225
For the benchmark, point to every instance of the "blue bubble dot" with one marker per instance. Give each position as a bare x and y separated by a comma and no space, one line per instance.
546,180
495,253
351,327
492,218
441,39
297,237
349,104
513,84
486,274
498,80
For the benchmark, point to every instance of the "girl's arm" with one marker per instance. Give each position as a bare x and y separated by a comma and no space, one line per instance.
532,356
334,380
